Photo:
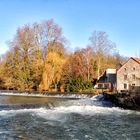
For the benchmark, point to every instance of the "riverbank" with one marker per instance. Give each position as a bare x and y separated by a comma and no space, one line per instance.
125,100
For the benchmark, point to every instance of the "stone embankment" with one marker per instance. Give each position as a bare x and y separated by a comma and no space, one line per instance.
125,100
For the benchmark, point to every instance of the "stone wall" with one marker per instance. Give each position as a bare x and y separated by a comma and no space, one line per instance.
125,100
128,75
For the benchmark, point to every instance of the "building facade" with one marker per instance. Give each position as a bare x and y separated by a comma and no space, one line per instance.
128,76
107,81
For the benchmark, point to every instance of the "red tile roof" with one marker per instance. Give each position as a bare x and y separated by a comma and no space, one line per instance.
137,59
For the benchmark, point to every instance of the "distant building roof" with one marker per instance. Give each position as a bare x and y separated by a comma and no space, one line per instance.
136,59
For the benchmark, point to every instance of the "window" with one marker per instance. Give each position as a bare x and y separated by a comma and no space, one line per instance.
100,86
125,86
124,69
133,77
125,77
133,85
106,86
134,68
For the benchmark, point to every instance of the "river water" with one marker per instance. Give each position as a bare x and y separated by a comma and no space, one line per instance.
36,118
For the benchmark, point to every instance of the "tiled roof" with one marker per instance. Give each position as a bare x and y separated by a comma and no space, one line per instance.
137,59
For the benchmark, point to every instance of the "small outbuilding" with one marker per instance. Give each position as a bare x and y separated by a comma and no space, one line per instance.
107,81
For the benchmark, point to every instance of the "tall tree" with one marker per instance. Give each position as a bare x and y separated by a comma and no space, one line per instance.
20,58
102,47
88,59
49,38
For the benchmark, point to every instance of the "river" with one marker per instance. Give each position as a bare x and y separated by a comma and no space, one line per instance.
51,118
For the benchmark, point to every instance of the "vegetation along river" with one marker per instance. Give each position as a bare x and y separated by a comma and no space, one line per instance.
51,118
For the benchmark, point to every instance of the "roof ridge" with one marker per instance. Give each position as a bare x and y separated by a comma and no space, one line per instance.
136,59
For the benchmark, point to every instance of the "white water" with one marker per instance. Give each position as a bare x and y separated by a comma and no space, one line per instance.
83,107
78,96
89,118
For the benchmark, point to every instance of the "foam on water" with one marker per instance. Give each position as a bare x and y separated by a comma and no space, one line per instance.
88,118
90,106
85,105
60,113
47,95
19,111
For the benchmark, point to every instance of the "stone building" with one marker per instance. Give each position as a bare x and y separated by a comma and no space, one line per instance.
107,81
128,76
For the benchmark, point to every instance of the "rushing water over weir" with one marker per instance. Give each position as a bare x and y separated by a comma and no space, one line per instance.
65,119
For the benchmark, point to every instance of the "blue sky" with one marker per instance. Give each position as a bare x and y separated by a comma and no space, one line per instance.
120,19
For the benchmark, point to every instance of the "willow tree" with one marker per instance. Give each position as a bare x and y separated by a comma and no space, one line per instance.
48,36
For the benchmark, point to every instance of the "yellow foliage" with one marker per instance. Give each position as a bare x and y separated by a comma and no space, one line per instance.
52,71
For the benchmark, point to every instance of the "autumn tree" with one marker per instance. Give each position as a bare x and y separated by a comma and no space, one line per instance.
36,57
51,41
88,56
1,72
19,59
102,47
78,70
